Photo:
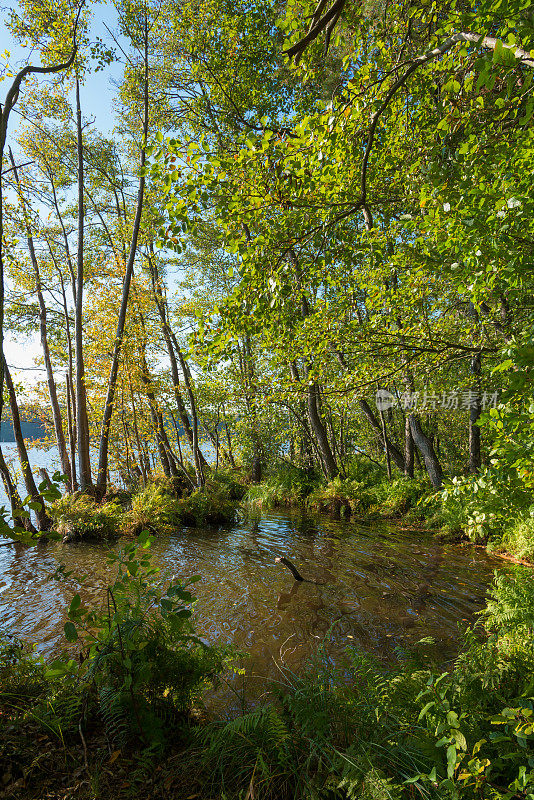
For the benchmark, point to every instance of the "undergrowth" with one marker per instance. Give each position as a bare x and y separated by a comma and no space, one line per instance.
161,506
79,517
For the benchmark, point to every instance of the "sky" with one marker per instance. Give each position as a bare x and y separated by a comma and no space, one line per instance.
97,98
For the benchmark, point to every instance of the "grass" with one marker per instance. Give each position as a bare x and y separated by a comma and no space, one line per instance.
518,539
78,517
156,507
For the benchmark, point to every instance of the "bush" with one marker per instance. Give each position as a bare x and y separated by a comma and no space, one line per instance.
400,495
363,470
228,479
287,486
153,509
22,675
342,495
213,505
143,661
80,517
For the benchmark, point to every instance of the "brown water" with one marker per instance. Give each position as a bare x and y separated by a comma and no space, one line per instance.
383,588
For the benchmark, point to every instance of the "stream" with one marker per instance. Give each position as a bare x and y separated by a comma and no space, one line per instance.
384,588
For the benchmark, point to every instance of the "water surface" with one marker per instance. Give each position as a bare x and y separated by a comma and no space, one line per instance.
383,588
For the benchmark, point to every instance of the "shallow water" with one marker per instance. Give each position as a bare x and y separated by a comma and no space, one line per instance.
383,588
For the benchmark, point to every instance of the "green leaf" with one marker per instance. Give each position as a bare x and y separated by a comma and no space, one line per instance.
71,634
75,604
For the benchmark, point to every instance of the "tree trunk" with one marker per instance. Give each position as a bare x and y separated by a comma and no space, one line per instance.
44,522
14,497
319,430
52,392
475,409
229,440
71,430
394,452
312,395
82,421
173,349
408,450
425,447
11,98
194,418
117,348
71,397
140,451
386,445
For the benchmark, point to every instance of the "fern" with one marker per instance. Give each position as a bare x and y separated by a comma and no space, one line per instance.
116,714
510,607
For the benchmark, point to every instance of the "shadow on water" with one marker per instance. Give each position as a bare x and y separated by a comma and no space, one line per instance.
382,587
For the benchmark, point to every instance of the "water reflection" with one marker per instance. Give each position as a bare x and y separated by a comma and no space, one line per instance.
382,587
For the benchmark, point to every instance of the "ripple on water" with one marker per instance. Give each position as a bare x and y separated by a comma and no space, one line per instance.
382,587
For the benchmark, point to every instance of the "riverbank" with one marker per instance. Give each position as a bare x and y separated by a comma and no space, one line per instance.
473,509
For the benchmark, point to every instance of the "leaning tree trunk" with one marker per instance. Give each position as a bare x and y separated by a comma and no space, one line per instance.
312,395
173,350
12,95
121,322
475,409
194,417
14,497
394,452
426,448
44,522
319,430
386,446
408,449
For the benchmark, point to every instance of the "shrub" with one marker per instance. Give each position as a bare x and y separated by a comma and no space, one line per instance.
153,509
400,495
80,517
363,470
143,658
22,675
231,480
488,502
213,504
287,486
342,495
